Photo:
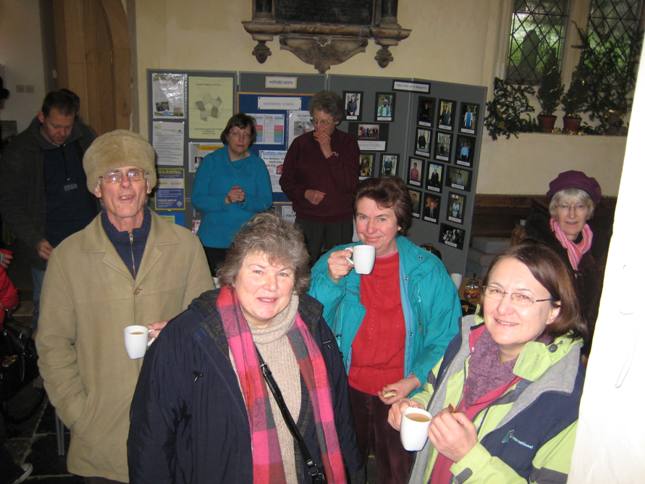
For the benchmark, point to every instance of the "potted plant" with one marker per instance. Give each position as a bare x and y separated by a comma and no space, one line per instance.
508,112
573,101
609,77
550,91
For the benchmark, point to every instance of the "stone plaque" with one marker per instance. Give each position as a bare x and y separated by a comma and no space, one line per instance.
353,12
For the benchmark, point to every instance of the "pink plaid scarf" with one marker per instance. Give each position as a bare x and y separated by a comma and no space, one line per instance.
574,251
267,460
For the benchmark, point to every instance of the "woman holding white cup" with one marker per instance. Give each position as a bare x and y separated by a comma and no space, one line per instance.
393,324
505,397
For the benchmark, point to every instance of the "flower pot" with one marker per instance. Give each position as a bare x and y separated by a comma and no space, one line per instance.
547,121
571,125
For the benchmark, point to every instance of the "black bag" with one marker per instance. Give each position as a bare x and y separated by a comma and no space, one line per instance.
18,360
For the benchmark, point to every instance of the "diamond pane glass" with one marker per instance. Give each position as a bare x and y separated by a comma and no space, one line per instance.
538,26
613,24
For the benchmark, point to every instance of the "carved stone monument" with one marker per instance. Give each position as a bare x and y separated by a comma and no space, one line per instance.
325,32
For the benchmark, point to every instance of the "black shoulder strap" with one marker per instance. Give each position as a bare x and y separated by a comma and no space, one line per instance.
315,473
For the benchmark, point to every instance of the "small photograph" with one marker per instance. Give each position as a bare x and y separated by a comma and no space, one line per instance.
353,102
446,114
452,236
468,118
435,177
368,131
465,151
384,106
442,146
415,172
456,207
425,111
423,142
389,163
415,195
366,165
431,207
458,178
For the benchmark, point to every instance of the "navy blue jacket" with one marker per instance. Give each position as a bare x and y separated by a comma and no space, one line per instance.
188,419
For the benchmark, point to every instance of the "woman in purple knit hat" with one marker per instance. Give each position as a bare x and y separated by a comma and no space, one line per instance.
572,198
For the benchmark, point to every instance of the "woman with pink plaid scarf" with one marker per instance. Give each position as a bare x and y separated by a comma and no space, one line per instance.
203,412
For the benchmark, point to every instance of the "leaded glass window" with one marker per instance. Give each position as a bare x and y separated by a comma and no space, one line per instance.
538,26
614,24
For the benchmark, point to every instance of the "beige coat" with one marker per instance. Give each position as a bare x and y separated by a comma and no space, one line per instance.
88,297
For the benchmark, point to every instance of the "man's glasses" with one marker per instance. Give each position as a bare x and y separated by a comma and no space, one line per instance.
518,299
116,176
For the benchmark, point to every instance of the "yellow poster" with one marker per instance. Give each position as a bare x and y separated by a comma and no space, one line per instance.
210,105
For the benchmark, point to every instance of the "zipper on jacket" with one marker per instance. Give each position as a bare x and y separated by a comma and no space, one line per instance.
131,237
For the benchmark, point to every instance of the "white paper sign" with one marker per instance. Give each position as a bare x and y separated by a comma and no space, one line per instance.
279,103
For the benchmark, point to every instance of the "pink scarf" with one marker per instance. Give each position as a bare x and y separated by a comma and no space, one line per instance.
267,460
574,251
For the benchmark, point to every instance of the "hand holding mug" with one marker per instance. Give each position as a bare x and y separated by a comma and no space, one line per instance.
395,414
339,264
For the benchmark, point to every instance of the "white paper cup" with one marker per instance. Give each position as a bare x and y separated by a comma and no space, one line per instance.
136,340
414,428
363,258
456,278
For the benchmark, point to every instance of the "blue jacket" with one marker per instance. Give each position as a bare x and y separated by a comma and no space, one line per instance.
215,177
431,307
188,418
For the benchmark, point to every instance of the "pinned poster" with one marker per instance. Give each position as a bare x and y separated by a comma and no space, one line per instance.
171,189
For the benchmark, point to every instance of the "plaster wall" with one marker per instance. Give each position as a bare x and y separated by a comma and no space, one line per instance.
21,58
455,41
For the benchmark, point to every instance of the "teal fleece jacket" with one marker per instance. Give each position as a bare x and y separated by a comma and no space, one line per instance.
431,308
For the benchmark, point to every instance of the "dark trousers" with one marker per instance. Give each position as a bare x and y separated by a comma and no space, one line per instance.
320,237
215,258
393,462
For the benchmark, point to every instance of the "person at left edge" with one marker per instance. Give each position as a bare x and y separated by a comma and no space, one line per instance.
202,412
128,266
231,185
43,198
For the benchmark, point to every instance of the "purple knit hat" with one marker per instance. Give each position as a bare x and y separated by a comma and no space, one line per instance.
575,179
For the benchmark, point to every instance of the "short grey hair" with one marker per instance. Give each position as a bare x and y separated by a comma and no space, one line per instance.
280,240
328,102
576,194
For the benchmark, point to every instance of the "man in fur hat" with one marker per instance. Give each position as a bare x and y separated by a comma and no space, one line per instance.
128,266
42,184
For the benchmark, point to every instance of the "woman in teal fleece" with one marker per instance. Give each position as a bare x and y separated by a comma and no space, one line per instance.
231,185
505,397
392,325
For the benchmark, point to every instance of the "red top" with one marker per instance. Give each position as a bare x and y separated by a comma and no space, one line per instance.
378,349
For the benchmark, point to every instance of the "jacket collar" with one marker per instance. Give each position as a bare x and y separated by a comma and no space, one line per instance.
42,143
161,234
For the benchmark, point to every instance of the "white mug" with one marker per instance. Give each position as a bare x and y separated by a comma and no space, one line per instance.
136,340
363,258
414,428
456,278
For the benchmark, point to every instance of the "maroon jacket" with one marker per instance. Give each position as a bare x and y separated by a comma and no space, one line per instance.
305,168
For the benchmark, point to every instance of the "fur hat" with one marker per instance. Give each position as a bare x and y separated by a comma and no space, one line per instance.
575,179
117,149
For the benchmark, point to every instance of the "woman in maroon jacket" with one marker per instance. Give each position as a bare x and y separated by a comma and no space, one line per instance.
320,176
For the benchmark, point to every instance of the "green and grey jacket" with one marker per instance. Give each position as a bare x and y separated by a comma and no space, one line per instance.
528,434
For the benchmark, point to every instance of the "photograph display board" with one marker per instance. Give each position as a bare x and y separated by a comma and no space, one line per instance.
428,133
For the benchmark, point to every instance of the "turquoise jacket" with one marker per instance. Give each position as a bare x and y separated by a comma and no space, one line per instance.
214,178
431,307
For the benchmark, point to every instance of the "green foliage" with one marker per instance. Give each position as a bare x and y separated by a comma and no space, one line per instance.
574,100
608,74
551,87
508,112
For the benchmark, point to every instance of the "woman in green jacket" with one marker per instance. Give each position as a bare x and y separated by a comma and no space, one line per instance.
505,396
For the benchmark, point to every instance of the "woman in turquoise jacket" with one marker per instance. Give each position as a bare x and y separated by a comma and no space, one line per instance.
392,325
231,185
505,396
